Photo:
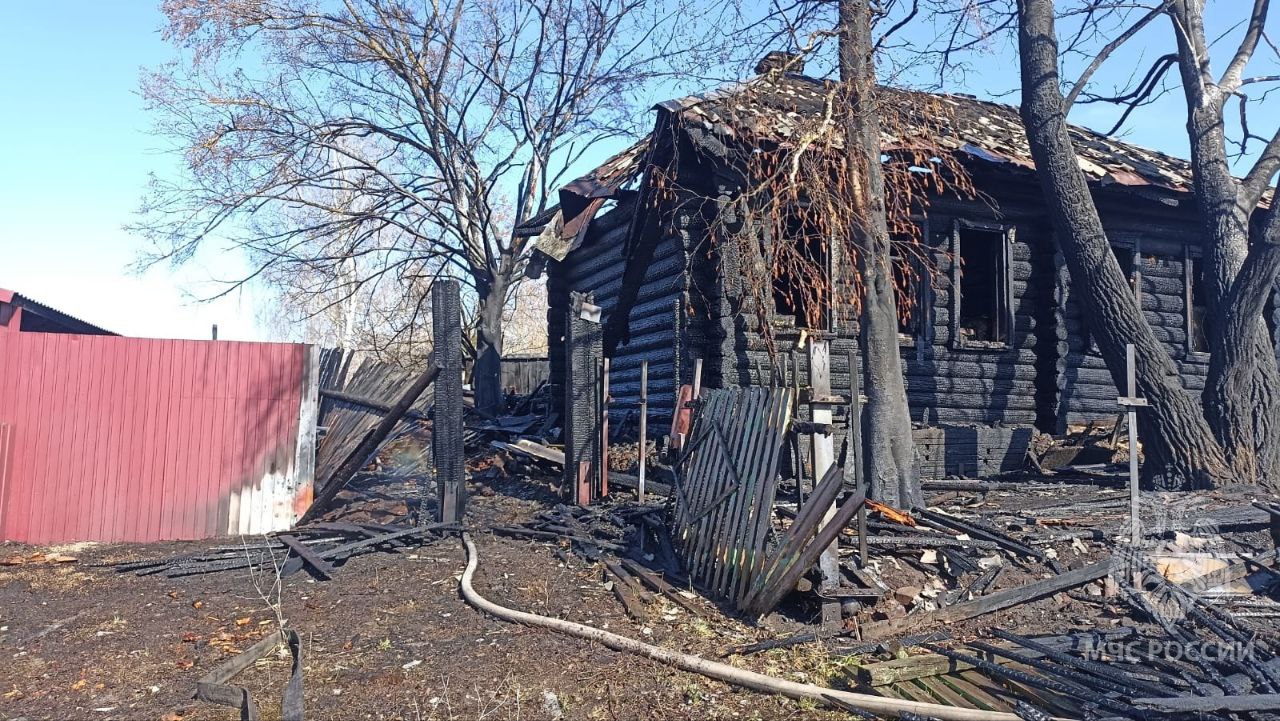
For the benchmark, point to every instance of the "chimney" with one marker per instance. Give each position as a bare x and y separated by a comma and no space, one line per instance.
780,60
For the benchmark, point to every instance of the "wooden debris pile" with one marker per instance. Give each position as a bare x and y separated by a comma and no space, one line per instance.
543,456
592,532
1173,629
637,585
1098,443
320,548
1205,662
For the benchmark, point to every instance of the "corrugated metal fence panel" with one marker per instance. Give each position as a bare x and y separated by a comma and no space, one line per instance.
6,443
138,439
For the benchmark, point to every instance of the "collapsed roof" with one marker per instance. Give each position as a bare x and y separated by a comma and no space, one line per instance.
781,106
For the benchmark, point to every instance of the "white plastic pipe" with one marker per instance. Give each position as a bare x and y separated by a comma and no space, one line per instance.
714,669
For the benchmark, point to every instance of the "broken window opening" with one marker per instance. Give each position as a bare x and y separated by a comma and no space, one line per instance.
1197,311
802,277
908,284
1125,257
982,303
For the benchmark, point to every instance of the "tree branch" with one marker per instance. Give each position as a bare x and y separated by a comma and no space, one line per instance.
1230,81
1106,52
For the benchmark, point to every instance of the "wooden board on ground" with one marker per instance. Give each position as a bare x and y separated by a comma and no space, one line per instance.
992,603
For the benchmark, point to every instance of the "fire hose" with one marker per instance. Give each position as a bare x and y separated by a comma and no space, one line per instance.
714,669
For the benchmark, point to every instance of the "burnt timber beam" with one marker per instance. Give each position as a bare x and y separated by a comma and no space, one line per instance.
369,403
319,565
976,530
1206,704
584,357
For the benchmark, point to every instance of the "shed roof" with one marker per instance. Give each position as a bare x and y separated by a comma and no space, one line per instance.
71,323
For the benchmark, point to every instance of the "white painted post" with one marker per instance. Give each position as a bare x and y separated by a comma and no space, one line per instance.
823,454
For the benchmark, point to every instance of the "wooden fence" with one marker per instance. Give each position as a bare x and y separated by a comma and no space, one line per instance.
523,374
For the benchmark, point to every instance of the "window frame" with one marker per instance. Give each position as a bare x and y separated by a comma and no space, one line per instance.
830,324
1004,268
1189,263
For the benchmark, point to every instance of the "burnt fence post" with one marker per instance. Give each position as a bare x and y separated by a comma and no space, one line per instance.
446,429
584,358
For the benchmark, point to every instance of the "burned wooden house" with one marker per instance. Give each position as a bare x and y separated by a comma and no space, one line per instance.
994,343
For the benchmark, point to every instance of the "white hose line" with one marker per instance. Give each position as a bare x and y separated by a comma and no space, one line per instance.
714,669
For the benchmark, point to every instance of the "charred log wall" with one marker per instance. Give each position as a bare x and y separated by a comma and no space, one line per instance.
596,264
598,267
975,406
947,382
1153,244
982,401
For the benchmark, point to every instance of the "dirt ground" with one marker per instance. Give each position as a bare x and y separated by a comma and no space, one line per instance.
388,638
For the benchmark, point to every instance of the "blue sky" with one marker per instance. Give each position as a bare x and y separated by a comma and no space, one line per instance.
76,153
76,156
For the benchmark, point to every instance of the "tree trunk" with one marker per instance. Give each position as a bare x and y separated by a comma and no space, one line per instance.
486,376
1236,400
1242,394
889,446
1181,450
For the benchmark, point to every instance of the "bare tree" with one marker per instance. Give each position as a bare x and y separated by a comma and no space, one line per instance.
1234,435
1178,440
1242,395
890,450
409,138
819,205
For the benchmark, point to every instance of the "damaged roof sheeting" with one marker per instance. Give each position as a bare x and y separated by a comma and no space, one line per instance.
780,106
561,228
775,104
20,312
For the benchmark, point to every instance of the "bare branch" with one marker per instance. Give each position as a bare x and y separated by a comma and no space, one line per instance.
1106,52
1230,80
1266,166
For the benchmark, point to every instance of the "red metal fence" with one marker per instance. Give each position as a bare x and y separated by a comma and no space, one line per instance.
136,439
